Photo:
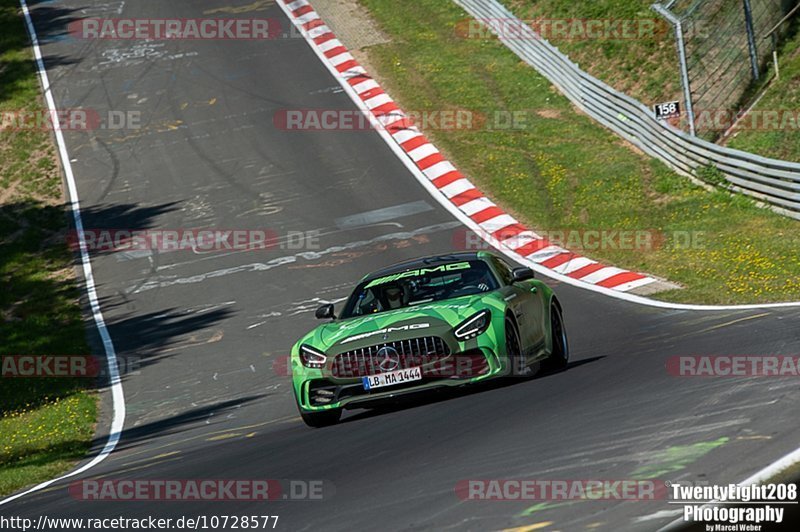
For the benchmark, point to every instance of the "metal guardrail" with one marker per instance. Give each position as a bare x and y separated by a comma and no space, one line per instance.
771,181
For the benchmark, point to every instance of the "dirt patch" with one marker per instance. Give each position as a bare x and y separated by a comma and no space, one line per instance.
7,193
549,113
351,23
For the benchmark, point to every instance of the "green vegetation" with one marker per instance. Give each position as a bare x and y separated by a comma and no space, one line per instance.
711,175
782,101
45,424
559,170
644,67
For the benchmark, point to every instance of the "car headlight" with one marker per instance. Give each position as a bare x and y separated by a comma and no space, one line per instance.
473,326
312,358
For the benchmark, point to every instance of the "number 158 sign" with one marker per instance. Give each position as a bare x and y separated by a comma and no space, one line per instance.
667,110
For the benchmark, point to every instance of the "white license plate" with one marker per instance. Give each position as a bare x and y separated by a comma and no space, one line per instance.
392,378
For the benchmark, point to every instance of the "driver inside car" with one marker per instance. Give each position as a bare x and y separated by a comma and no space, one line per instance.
395,297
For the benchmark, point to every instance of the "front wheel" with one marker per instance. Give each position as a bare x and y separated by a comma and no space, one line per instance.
516,359
325,418
559,357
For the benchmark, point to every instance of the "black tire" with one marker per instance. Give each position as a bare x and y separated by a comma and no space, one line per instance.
516,359
319,420
559,357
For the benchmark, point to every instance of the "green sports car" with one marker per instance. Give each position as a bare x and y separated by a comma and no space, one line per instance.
437,321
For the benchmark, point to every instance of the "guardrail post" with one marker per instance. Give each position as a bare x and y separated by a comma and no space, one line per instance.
751,38
687,90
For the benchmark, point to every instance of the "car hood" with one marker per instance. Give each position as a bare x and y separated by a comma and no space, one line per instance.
428,319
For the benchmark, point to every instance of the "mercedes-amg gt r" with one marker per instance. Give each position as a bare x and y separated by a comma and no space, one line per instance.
432,322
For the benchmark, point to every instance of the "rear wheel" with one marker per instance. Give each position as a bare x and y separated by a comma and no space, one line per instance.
559,358
325,418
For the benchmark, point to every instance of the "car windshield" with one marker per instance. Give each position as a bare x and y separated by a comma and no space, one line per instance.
419,286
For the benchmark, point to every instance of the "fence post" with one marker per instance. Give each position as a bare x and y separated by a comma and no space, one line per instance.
751,38
775,55
687,90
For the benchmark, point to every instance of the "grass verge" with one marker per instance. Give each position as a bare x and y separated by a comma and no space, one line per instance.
45,424
645,67
780,139
562,171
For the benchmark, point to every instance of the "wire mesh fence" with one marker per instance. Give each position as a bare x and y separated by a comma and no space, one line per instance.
772,181
724,50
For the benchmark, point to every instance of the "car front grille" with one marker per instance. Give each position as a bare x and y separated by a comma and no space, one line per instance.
416,352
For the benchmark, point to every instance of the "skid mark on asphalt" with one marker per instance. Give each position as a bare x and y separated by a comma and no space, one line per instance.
173,125
278,243
194,341
104,8
542,506
382,215
156,457
137,468
154,128
340,259
574,460
138,54
298,307
260,323
676,458
250,369
691,321
661,463
729,323
166,282
125,454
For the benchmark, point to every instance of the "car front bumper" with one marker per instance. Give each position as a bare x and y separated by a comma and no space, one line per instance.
318,390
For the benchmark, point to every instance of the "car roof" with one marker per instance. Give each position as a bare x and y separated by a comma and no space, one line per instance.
428,262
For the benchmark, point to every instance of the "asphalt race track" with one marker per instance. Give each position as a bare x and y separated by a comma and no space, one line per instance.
204,331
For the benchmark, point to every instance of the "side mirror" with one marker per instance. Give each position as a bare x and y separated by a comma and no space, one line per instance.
521,274
325,312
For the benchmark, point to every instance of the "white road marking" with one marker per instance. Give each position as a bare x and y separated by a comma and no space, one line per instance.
287,259
118,397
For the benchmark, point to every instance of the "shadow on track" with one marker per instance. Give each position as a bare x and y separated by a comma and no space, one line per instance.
178,423
446,394
52,23
39,295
